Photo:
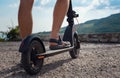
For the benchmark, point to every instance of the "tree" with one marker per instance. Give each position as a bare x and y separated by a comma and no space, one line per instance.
13,34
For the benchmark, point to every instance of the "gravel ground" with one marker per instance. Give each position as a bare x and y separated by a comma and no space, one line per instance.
95,61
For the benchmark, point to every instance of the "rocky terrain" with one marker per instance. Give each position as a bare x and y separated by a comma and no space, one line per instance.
95,61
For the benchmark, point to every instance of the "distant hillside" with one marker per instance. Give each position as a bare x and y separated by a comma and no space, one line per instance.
104,25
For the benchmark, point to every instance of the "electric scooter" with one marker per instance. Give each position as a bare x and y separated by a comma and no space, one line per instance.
33,50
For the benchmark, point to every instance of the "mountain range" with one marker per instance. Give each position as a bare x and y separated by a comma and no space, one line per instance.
108,24
104,25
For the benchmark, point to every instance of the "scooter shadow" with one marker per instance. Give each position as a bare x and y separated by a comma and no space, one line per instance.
18,72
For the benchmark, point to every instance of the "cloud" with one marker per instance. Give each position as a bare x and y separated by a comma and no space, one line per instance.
14,4
84,1
44,2
98,3
95,9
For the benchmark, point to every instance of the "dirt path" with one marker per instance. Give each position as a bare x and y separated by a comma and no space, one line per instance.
95,61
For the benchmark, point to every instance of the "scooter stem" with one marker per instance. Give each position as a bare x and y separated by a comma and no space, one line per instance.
68,34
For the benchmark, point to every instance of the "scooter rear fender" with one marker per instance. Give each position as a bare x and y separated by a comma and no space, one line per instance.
26,42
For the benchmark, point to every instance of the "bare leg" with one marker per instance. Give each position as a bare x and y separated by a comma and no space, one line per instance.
60,11
25,17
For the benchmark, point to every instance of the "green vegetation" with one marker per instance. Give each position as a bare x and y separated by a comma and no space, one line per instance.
11,35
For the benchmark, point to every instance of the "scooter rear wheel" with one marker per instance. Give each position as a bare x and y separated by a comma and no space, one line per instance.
31,63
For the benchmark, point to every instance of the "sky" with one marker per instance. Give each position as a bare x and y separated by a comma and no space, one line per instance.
43,11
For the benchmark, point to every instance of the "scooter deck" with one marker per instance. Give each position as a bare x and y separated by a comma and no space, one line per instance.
53,52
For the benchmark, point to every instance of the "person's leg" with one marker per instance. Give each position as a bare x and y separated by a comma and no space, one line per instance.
25,17
60,11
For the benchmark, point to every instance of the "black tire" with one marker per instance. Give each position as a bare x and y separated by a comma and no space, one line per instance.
75,52
30,63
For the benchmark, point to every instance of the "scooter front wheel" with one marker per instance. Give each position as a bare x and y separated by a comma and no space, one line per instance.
30,62
75,52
